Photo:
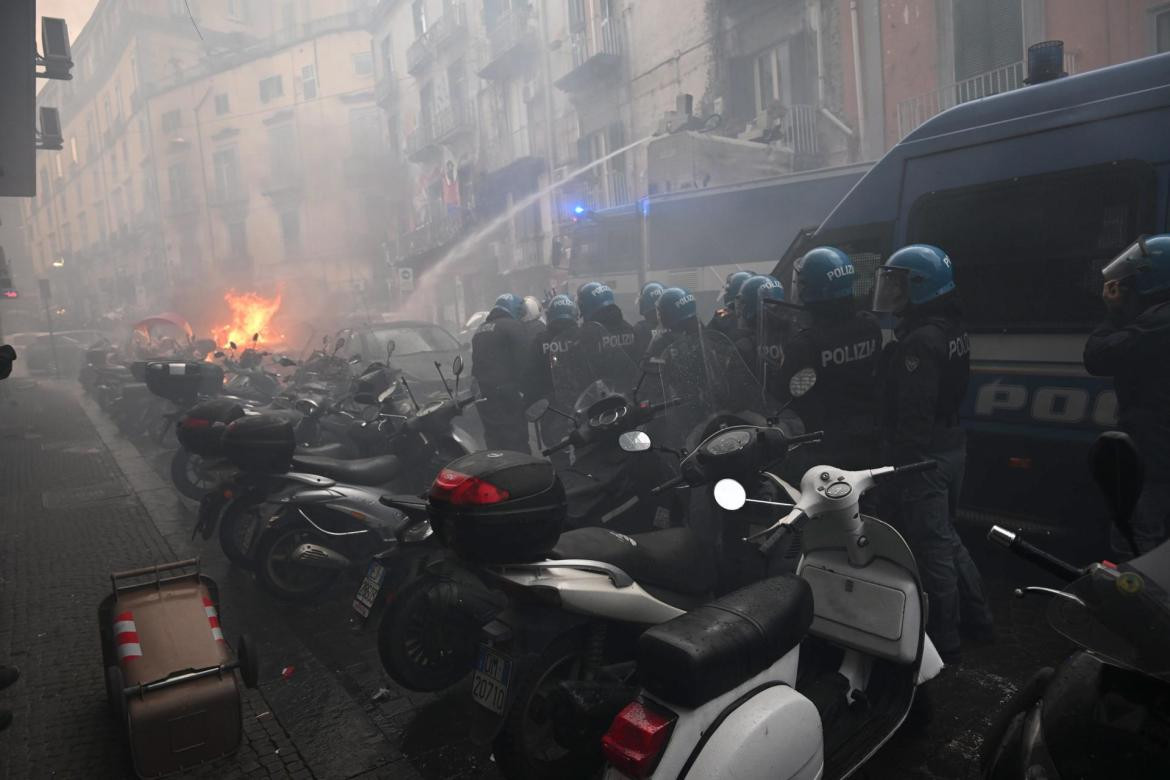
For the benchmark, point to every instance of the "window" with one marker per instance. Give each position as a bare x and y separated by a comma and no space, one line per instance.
237,9
1162,31
419,12
309,82
387,59
1028,252
988,35
226,163
365,127
271,88
179,182
171,121
767,75
577,16
290,230
282,149
237,239
222,105
363,63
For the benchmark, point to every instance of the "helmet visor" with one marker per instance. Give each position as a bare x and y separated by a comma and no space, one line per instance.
891,290
1129,263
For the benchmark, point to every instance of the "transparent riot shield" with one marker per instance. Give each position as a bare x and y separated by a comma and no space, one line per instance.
776,323
705,372
1121,616
587,370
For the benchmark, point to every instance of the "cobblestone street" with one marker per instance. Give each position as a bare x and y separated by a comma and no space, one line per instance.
79,501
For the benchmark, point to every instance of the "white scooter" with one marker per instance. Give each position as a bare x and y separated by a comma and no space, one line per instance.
796,677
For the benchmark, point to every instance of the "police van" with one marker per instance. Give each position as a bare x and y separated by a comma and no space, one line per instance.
1031,193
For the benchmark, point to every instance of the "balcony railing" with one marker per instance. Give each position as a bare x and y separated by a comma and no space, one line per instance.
452,120
915,111
441,226
607,189
798,130
447,29
595,52
509,41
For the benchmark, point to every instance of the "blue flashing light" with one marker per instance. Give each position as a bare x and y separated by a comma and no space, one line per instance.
578,210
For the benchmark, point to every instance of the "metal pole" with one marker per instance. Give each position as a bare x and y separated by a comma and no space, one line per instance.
52,338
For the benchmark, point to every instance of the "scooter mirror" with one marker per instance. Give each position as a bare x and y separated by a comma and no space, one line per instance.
391,345
537,410
457,365
255,337
730,495
232,344
634,441
338,344
801,382
1118,471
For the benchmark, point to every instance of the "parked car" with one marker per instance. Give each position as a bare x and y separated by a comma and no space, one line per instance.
417,347
70,345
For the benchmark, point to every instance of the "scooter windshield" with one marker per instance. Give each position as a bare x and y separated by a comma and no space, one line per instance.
1121,615
705,372
585,370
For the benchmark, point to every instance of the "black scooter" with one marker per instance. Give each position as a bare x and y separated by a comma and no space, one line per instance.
1105,710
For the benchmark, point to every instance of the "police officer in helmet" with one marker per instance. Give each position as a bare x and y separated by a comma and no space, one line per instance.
557,340
498,352
1133,347
747,307
724,320
925,375
602,324
842,346
645,328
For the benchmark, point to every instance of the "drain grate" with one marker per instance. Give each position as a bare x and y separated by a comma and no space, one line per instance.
66,498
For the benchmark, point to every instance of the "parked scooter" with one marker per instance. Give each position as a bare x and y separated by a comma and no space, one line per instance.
800,676
319,524
1105,710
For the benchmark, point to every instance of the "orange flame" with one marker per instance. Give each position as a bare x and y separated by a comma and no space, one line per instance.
251,314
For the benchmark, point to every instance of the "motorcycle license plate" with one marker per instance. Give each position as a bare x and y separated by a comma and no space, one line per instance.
489,684
367,594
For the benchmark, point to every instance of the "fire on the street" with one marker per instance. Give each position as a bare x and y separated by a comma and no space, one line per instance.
251,313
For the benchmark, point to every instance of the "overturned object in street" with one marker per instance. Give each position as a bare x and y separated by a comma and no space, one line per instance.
170,674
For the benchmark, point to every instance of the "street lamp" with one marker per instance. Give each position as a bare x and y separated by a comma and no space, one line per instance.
59,262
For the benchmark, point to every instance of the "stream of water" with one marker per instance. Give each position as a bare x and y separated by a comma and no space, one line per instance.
423,295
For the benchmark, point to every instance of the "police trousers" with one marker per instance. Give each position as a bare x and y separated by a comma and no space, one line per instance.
1150,521
926,506
502,413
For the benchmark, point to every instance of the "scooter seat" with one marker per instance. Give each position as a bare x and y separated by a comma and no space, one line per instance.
334,449
672,559
710,650
361,471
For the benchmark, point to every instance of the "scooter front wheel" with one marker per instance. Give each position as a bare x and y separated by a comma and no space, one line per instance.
237,527
187,474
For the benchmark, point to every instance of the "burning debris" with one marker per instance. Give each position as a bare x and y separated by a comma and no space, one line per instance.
251,313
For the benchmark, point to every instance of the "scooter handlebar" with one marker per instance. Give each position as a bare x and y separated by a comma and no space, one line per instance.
670,483
1033,554
806,438
911,468
780,533
662,407
562,444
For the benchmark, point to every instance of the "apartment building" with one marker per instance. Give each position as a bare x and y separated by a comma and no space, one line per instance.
205,150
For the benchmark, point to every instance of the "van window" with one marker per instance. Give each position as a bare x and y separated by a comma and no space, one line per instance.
1028,252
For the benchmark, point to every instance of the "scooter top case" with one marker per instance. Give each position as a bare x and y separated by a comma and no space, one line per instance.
169,671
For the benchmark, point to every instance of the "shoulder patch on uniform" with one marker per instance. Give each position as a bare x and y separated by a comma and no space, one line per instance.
912,363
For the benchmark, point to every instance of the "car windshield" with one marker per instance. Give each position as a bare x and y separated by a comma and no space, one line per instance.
413,339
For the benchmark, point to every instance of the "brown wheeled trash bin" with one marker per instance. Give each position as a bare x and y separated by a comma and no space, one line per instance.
169,671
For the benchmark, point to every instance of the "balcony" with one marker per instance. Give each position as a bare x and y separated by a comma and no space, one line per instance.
510,149
284,185
595,54
387,90
440,228
597,190
914,112
452,121
511,45
448,29
182,208
229,199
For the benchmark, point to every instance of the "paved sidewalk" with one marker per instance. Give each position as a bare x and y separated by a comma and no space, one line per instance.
68,517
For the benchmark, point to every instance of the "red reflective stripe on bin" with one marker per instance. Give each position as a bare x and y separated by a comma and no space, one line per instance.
126,637
213,619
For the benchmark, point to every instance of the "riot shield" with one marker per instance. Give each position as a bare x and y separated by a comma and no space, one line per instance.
776,323
705,372
584,371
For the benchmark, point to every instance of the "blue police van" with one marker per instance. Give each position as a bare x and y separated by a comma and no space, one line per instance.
1031,193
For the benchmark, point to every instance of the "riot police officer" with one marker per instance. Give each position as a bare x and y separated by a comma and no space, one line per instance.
842,346
724,320
747,308
1133,347
557,338
602,324
645,328
925,374
498,351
